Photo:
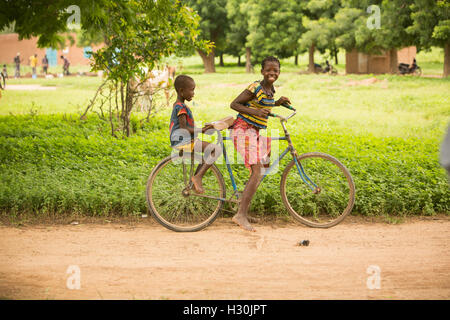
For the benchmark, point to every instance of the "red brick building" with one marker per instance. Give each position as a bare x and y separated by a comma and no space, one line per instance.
10,46
357,62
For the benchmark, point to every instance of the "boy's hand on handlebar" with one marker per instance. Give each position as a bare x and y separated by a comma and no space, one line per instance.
282,100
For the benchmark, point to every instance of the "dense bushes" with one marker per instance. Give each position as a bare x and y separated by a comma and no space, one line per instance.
60,164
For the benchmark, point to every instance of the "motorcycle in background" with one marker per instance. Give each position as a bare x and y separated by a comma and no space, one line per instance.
414,69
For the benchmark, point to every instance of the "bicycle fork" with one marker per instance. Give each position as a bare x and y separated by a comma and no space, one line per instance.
314,188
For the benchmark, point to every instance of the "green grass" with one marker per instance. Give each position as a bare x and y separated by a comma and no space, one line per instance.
388,134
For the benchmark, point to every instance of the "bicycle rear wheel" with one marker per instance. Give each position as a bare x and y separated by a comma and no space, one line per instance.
174,204
330,202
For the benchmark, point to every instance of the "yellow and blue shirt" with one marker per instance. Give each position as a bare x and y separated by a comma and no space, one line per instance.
262,100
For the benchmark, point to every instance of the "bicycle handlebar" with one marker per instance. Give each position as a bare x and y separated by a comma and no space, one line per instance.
288,106
281,117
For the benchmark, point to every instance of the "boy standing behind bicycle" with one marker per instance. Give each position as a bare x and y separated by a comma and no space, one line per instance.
254,105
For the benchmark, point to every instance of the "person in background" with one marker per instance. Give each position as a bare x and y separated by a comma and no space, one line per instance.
66,65
17,61
45,64
33,64
5,71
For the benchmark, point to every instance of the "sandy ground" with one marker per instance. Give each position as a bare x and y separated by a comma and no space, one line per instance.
358,259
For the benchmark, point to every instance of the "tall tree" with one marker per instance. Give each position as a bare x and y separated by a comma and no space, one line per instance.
274,28
320,28
213,25
237,13
431,26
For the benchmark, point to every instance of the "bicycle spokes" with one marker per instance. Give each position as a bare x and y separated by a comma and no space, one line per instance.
332,187
172,198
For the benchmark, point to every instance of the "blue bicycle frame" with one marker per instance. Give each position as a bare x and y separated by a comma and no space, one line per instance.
290,149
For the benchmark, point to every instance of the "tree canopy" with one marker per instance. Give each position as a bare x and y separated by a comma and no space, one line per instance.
257,28
213,26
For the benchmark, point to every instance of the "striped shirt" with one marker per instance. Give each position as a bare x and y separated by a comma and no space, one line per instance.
262,100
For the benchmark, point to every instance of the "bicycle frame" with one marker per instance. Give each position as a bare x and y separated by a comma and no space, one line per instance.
290,148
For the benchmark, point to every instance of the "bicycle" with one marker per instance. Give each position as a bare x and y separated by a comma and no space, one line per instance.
316,189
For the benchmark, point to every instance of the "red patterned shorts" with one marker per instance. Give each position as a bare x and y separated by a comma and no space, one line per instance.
253,147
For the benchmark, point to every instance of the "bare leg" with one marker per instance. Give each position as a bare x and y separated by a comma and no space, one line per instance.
203,167
241,217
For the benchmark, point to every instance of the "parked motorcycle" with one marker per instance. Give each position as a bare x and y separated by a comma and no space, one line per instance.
414,69
327,68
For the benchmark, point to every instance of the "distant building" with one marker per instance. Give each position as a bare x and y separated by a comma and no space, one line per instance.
10,45
358,62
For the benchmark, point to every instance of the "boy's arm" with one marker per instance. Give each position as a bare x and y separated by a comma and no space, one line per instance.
238,105
183,124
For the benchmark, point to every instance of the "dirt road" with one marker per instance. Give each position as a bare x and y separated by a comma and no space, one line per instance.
357,259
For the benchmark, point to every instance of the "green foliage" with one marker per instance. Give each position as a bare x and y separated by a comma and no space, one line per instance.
236,37
274,28
34,18
213,21
141,33
60,164
431,22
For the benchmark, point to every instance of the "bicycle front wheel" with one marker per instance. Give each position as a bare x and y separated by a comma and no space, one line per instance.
173,202
332,195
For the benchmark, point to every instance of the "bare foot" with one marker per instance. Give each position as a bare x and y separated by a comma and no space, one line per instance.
253,219
197,182
242,222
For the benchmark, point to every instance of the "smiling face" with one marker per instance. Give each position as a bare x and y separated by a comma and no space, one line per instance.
187,91
271,71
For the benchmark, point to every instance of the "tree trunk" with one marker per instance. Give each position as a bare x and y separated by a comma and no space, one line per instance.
128,108
393,61
296,60
221,60
239,61
336,56
248,63
311,59
208,61
446,60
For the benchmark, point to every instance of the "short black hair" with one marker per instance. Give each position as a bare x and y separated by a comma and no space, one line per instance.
182,81
270,59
